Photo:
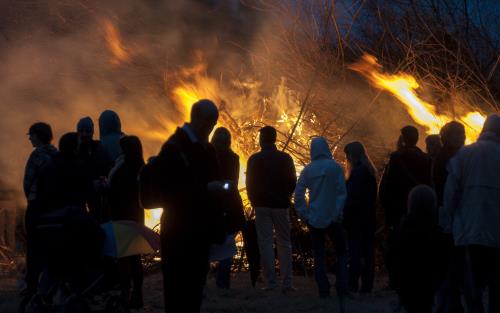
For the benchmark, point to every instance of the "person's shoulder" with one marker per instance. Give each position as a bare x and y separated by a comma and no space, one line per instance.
284,155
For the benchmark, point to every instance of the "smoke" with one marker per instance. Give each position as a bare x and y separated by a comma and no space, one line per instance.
62,60
59,63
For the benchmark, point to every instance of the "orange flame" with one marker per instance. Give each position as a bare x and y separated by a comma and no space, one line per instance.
242,113
114,43
403,86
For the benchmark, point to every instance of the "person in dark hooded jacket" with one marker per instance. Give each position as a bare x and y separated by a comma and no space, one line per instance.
110,131
448,298
97,164
408,167
124,204
359,216
416,258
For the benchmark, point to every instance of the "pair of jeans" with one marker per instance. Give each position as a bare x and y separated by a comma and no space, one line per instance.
265,220
448,296
33,254
132,277
184,266
361,261
223,278
338,237
481,270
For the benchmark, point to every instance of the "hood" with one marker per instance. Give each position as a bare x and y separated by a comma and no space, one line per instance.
109,123
47,149
491,128
320,149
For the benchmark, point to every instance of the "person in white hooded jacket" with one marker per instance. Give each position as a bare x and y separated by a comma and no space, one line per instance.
471,212
324,181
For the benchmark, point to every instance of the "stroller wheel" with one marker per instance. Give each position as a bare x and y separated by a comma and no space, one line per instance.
116,304
75,304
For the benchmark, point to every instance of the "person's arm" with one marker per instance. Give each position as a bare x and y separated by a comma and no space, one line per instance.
292,174
250,179
385,193
300,196
237,172
451,197
341,195
29,175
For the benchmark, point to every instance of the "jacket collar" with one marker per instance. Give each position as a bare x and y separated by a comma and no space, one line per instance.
269,148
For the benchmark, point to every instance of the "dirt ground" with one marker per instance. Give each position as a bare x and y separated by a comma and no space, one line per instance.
242,298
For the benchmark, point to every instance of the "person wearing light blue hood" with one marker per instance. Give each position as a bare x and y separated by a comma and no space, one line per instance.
110,131
324,181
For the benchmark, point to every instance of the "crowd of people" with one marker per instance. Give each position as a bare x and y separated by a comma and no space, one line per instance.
441,208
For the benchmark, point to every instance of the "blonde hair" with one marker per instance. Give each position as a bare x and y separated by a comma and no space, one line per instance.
356,154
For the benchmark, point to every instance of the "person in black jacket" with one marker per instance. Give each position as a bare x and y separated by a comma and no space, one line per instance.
359,216
189,168
416,256
448,298
407,168
229,166
124,205
270,181
40,136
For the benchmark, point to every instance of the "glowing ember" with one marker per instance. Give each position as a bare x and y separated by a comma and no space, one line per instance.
403,86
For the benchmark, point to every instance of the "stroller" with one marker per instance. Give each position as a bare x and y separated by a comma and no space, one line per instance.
76,278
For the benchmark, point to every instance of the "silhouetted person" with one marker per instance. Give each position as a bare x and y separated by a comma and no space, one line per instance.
64,181
229,166
448,298
189,164
407,168
110,132
270,183
323,179
416,259
64,188
360,216
40,135
97,163
433,145
472,205
124,204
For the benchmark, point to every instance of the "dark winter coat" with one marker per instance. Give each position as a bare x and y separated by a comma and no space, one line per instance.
37,160
187,168
62,183
229,165
407,168
96,159
440,173
360,207
271,178
123,195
